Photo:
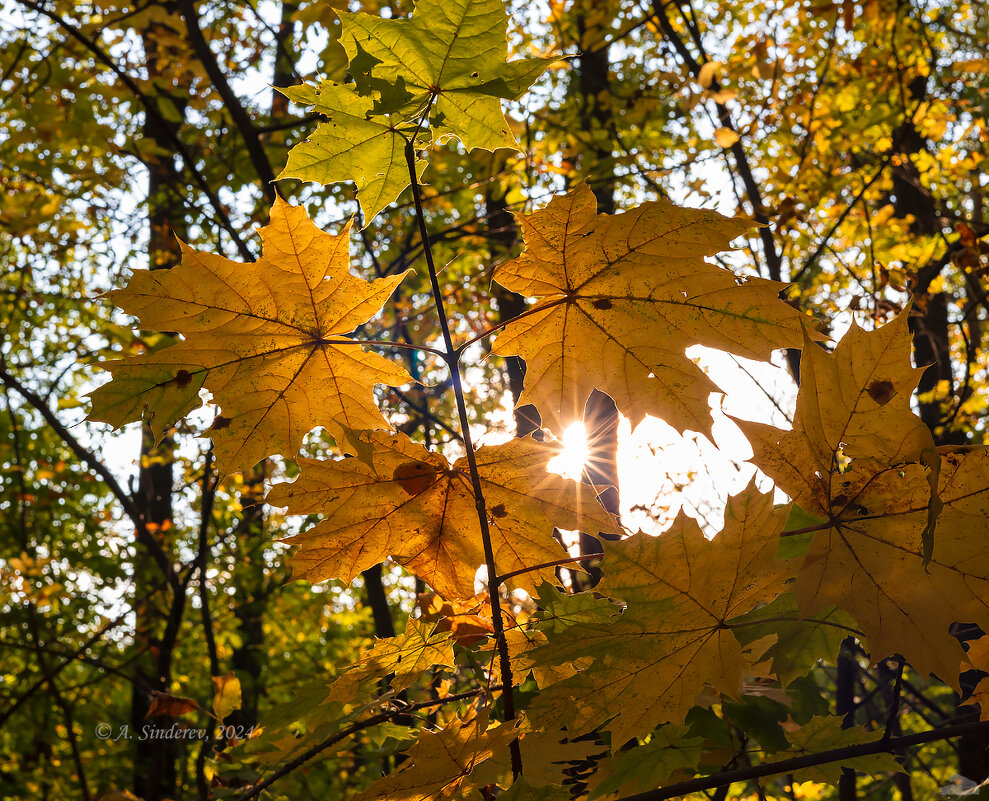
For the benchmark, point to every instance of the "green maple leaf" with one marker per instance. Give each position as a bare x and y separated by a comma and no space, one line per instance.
449,58
352,145
825,734
406,657
446,62
800,641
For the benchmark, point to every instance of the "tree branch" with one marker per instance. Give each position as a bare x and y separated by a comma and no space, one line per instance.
240,117
452,357
880,746
89,459
149,105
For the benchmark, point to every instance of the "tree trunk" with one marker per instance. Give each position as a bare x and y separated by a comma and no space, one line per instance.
154,638
596,162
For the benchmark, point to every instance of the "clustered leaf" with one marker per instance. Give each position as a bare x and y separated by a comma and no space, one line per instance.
893,549
440,764
858,459
653,660
441,73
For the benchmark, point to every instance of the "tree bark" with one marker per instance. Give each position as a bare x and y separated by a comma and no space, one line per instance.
600,413
156,613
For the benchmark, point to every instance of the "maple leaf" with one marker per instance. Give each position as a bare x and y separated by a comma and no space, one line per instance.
419,509
670,749
449,57
439,765
869,556
799,641
406,657
673,638
825,733
621,297
550,758
352,145
227,695
855,403
268,339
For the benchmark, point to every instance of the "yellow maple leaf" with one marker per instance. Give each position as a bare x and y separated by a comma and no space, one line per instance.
440,764
653,661
269,340
620,298
419,509
859,460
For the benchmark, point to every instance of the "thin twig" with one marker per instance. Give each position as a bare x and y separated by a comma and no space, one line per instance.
360,725
150,108
94,464
452,359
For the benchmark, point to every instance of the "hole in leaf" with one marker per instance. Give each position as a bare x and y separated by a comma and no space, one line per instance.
602,303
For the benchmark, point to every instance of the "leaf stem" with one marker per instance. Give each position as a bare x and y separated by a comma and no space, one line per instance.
808,529
452,359
499,580
819,621
495,328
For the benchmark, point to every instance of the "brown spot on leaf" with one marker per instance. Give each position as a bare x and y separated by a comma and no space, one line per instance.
499,511
602,303
220,423
182,378
414,477
881,392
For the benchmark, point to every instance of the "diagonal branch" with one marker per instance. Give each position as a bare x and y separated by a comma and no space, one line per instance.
773,259
89,459
354,728
846,753
240,117
152,109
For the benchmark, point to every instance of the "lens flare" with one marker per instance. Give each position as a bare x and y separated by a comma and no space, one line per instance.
574,454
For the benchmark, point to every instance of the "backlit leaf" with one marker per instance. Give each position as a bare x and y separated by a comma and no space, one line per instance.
267,339
351,145
653,660
405,657
440,763
419,509
869,556
450,54
620,298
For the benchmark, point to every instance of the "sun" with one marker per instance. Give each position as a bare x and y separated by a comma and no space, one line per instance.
574,454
